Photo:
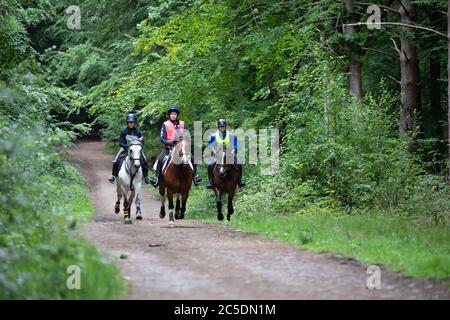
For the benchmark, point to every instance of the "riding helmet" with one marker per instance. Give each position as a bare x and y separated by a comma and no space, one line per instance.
173,108
131,117
222,123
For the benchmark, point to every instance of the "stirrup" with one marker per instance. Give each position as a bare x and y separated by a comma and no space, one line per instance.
154,181
112,179
209,185
241,184
147,180
197,180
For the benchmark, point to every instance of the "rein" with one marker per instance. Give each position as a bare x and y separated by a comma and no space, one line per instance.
128,170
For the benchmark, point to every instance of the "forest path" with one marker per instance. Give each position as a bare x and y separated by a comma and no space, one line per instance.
209,261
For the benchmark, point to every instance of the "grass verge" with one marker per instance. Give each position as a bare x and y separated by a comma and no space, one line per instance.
400,244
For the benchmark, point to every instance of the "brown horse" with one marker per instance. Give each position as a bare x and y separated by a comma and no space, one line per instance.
176,180
224,180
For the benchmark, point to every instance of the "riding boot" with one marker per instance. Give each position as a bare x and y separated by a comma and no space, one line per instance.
155,181
144,165
145,174
196,178
210,175
114,175
241,183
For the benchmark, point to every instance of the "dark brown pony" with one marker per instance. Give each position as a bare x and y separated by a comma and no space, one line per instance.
176,180
224,180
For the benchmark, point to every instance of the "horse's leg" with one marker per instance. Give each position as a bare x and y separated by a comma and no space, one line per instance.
184,198
230,205
138,206
170,198
219,205
177,208
126,207
119,197
162,212
127,214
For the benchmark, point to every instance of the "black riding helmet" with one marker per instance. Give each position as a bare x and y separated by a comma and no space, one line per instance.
131,117
222,123
173,108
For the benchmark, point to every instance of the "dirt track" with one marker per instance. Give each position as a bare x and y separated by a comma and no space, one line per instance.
208,261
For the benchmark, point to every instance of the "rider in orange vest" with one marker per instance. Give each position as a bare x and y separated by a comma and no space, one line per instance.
168,133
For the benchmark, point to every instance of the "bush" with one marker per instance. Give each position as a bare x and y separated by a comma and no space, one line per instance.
41,201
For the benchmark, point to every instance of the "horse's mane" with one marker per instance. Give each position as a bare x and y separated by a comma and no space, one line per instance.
133,140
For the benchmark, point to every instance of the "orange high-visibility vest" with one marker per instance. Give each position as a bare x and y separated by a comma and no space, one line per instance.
171,130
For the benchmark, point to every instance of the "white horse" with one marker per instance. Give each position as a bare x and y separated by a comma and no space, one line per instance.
130,179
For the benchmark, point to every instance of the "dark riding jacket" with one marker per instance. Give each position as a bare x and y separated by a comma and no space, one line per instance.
127,131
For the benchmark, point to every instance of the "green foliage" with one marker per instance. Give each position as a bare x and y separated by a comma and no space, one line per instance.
13,37
261,65
257,63
83,66
42,200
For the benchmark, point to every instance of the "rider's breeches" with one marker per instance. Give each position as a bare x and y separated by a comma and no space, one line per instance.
115,169
164,152
144,164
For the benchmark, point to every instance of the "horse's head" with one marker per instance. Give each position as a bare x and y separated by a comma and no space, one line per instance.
222,164
181,153
134,149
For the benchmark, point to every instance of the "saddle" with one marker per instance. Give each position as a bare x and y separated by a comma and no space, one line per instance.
120,160
165,163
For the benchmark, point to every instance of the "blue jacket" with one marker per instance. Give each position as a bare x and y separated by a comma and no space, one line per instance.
127,131
233,138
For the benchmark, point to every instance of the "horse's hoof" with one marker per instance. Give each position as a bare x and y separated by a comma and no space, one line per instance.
228,218
162,215
171,224
220,217
127,221
139,216
177,216
116,211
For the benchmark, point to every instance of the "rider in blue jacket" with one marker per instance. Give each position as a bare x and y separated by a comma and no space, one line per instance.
223,137
132,131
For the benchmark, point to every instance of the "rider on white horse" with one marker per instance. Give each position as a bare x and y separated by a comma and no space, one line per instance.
130,130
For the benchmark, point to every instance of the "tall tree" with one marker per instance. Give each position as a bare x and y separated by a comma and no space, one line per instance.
409,69
355,82
448,71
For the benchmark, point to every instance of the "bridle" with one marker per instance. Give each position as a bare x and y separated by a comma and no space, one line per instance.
226,166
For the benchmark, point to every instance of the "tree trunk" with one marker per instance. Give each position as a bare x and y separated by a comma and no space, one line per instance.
410,91
355,82
448,90
437,113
